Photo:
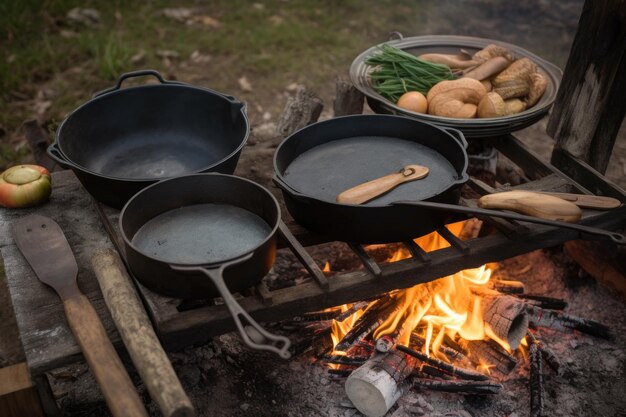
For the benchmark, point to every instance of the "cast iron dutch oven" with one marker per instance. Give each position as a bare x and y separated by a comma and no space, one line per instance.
317,163
201,236
125,139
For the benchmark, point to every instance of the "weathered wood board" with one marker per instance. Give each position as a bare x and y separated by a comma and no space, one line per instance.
46,337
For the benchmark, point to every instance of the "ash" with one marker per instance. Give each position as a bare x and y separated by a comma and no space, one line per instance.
225,378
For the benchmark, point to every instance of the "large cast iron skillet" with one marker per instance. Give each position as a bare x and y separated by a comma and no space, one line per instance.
317,163
201,236
125,139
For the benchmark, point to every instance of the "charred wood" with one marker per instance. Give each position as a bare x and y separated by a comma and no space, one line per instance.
547,354
359,305
462,373
559,321
507,317
452,354
317,316
465,387
507,286
490,352
537,391
344,360
371,319
543,301
429,370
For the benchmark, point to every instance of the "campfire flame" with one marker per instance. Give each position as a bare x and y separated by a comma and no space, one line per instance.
446,306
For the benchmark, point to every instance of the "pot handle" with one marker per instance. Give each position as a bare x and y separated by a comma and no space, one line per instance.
285,187
133,74
451,208
458,135
215,273
55,153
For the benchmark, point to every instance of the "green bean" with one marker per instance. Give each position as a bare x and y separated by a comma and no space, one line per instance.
397,71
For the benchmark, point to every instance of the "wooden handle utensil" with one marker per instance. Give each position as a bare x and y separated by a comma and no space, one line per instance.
367,191
138,335
533,204
587,201
43,244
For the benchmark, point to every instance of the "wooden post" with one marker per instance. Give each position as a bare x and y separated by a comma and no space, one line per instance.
591,101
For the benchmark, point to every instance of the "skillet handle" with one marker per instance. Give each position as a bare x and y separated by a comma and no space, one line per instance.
55,153
451,208
281,343
458,135
285,187
133,74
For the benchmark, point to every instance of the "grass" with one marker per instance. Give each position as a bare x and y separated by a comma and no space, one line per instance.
273,43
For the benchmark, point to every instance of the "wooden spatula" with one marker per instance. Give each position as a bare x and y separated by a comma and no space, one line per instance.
533,204
367,191
43,244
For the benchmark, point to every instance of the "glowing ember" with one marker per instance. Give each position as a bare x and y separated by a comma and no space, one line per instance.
326,267
444,307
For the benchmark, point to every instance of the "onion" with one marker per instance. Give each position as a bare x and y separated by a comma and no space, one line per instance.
24,186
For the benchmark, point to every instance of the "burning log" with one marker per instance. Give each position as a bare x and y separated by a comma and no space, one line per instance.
345,360
452,354
465,387
462,373
506,316
385,343
378,383
317,316
360,305
537,392
543,302
507,287
488,351
559,321
367,323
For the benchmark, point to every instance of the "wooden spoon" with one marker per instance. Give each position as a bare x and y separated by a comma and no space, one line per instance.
369,190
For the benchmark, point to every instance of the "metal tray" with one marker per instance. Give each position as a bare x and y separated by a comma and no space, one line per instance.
471,128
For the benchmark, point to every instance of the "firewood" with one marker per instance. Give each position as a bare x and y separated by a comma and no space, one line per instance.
368,322
507,286
348,99
344,360
489,352
537,391
506,315
564,322
359,305
452,354
547,354
300,111
465,387
317,316
375,386
543,301
462,373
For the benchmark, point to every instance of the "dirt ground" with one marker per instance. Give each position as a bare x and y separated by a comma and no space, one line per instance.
224,378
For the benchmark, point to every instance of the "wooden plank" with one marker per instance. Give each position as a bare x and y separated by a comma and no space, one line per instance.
585,175
178,329
18,395
46,337
591,104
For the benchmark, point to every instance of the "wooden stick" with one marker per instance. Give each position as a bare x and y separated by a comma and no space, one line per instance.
564,322
543,301
468,374
537,392
359,305
507,286
453,354
367,323
465,387
547,354
136,331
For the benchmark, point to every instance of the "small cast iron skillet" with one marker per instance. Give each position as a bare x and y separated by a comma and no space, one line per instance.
202,236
